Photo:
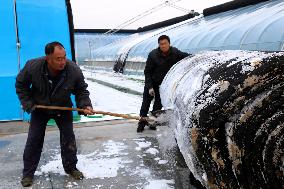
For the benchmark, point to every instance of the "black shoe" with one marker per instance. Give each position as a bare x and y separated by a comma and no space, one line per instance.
27,181
141,126
76,174
157,113
152,127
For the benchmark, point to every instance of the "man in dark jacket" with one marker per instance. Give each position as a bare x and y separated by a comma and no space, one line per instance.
158,64
50,80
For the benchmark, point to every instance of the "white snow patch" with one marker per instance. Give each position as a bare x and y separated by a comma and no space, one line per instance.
162,162
159,184
85,119
117,79
152,151
141,172
112,148
94,165
142,144
69,185
108,99
247,68
139,139
101,168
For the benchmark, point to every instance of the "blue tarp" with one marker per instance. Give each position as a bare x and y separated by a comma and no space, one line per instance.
38,23
10,107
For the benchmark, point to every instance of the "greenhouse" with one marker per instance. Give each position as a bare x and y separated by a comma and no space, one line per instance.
88,39
255,27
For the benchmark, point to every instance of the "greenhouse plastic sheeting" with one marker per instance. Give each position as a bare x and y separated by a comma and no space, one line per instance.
85,42
255,27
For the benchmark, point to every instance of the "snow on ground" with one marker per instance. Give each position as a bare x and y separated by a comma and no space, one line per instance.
161,162
107,99
132,82
162,184
113,159
85,119
103,164
110,161
153,151
142,144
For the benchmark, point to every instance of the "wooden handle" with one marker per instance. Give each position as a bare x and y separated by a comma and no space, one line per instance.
126,116
59,108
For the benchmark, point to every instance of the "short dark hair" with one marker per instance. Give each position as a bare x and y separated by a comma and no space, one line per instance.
49,47
162,37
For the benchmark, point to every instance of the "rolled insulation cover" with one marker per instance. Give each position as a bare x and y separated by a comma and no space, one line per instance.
228,117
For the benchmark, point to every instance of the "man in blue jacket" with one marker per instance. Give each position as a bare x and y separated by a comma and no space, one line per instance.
158,63
50,80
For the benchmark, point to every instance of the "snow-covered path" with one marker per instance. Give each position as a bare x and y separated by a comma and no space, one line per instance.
108,99
135,83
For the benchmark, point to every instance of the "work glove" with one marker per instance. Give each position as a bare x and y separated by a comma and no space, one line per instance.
151,92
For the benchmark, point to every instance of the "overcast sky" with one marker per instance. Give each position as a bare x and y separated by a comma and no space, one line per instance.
107,14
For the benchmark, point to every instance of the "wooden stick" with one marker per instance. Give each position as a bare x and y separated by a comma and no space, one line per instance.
126,116
59,108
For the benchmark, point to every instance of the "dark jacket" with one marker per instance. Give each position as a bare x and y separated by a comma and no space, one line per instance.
34,88
158,65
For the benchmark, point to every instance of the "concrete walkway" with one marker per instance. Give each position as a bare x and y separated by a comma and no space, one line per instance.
111,155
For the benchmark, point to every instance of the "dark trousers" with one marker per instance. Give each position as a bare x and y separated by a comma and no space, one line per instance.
34,144
147,98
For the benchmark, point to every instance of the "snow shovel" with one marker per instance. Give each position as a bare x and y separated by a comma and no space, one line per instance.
126,116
